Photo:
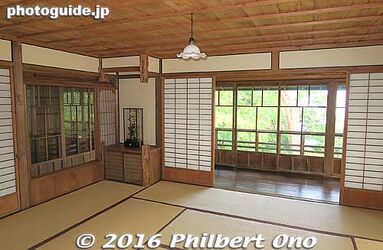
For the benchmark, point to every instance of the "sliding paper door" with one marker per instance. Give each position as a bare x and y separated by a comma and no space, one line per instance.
364,161
363,180
8,195
188,126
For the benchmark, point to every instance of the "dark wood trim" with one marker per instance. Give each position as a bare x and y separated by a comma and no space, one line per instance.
189,176
121,69
6,63
135,76
362,198
21,128
338,72
58,71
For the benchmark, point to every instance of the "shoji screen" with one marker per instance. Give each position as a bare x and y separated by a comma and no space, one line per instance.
7,155
108,116
188,123
364,155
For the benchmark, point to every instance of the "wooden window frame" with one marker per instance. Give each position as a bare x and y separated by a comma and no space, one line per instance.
65,161
328,147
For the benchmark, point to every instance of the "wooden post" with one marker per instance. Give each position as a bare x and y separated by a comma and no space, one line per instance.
144,68
21,128
159,108
275,60
330,130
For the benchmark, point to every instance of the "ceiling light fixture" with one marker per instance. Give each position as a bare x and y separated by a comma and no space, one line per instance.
191,51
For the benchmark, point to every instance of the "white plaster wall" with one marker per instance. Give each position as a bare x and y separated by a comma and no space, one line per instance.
5,50
219,63
60,59
139,95
357,56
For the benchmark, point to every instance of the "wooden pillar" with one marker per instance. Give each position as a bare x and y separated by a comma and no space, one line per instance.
330,129
144,68
21,126
159,108
275,60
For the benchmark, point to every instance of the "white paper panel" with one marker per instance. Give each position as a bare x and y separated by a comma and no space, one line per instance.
188,124
364,154
7,157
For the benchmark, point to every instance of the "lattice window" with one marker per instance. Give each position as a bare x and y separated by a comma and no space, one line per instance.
108,116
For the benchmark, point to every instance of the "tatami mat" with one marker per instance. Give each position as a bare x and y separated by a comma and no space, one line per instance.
130,217
324,217
368,244
36,224
232,227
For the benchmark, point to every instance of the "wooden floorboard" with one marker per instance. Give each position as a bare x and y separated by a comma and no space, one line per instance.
315,188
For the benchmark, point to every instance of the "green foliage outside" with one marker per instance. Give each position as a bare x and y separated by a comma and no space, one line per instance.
302,110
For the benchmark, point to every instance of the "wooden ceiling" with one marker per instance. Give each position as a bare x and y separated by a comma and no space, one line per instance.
162,27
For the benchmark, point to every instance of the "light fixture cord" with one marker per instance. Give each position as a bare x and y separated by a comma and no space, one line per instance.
191,28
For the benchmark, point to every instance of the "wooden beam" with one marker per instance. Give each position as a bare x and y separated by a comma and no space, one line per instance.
144,68
22,156
122,69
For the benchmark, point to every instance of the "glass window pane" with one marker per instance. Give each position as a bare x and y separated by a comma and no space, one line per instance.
223,117
267,119
291,119
289,96
339,120
244,97
270,96
338,147
303,96
38,150
341,97
257,97
44,95
53,148
314,145
314,119
246,141
290,144
267,142
225,140
226,97
216,97
246,117
318,95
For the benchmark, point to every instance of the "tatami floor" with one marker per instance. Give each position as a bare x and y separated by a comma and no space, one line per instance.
168,208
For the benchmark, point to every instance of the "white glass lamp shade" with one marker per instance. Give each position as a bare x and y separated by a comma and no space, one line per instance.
191,51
